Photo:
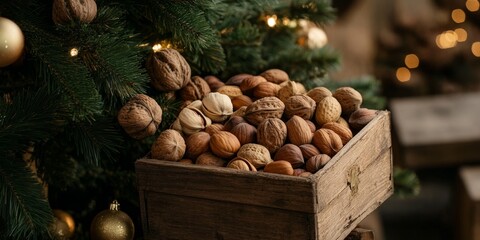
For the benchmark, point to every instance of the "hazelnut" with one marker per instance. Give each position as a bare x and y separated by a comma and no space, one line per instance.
245,133
232,122
224,144
308,151
208,159
298,131
197,144
276,76
279,167
361,117
317,162
327,141
290,153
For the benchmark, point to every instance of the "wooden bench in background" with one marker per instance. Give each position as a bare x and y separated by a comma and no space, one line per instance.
436,131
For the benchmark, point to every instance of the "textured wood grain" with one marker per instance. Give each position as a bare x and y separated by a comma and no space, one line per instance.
196,202
255,188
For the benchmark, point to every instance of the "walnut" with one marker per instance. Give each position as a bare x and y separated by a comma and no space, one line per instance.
140,117
272,133
319,93
263,108
208,159
300,105
168,70
349,98
169,146
256,154
65,11
195,89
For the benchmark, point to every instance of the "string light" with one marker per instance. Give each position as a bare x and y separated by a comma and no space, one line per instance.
472,5
461,34
476,49
458,15
74,52
161,45
272,21
403,74
157,47
412,61
447,39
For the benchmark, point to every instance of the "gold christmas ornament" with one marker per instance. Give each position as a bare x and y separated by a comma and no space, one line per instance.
11,42
64,11
66,218
60,230
112,224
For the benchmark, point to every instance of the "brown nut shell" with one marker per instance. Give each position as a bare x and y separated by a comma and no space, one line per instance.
168,70
290,153
349,98
327,141
300,105
319,93
214,128
361,117
267,107
240,163
276,76
213,82
249,83
298,131
308,151
317,162
224,144
256,154
344,133
279,167
232,122
237,79
272,133
208,159
140,116
66,11
240,101
266,89
245,133
197,144
195,89
230,90
169,146
328,110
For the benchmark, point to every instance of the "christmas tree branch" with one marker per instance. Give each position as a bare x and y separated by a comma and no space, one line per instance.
23,206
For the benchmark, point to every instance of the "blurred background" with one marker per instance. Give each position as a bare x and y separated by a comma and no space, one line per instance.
426,55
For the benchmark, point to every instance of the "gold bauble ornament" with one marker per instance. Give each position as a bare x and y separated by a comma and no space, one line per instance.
65,217
11,42
112,224
60,230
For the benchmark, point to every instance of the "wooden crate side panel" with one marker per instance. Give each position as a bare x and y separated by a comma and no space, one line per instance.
222,184
345,212
180,217
363,149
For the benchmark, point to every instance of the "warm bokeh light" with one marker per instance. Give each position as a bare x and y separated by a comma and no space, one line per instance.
403,74
157,47
476,49
447,39
74,52
412,61
458,15
461,34
472,5
272,21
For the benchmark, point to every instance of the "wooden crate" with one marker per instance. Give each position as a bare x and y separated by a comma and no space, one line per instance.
436,131
468,204
197,202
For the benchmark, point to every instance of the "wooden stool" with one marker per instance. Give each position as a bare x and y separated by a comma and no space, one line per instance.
436,131
468,204
361,234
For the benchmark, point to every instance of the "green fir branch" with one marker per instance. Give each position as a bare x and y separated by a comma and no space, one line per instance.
23,207
31,116
94,142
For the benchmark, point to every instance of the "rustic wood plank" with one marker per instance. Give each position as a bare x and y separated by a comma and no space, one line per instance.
255,188
180,217
437,131
437,119
361,151
348,209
